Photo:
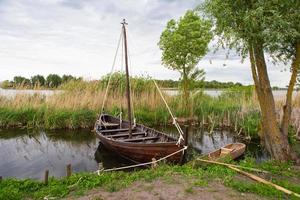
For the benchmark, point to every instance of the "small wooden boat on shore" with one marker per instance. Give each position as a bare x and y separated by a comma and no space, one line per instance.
234,150
135,141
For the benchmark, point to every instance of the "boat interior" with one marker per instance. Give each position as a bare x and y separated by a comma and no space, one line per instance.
115,129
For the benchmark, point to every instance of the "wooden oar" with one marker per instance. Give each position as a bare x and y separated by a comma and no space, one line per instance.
252,176
231,165
261,180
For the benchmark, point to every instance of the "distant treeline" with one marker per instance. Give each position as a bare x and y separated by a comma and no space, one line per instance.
200,84
54,81
51,81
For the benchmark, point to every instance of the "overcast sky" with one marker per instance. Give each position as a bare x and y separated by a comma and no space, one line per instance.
79,37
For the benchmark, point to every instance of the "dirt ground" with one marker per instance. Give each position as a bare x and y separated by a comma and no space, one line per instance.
175,188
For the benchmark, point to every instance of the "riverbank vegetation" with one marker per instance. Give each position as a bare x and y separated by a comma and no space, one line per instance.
80,102
197,177
78,105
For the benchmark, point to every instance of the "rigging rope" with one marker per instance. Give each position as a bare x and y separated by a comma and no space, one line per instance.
111,72
173,117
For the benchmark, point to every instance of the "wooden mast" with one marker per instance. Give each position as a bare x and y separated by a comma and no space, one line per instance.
127,79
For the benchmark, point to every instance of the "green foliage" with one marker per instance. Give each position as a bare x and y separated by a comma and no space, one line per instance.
139,85
21,81
199,84
273,166
272,24
38,80
53,80
7,84
258,188
250,123
114,181
67,78
183,44
238,92
71,119
111,181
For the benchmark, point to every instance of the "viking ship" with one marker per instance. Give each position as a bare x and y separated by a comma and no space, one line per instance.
133,141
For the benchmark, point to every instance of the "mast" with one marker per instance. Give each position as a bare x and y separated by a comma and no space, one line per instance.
127,79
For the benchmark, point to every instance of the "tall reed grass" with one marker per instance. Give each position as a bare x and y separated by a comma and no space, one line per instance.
81,101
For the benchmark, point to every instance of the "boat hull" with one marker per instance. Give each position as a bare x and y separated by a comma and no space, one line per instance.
143,152
235,151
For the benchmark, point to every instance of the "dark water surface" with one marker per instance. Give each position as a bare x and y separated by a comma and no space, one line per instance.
27,154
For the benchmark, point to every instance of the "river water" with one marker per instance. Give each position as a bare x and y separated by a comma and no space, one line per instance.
211,92
28,153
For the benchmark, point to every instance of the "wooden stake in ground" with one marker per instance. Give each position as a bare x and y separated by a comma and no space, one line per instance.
69,170
46,177
154,163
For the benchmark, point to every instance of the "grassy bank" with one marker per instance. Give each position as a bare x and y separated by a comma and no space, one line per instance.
78,184
81,101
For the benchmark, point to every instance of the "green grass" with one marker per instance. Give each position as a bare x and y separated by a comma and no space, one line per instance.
80,183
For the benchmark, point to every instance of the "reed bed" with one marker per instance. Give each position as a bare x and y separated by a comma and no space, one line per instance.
80,102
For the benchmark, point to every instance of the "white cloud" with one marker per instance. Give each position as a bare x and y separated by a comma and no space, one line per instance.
79,37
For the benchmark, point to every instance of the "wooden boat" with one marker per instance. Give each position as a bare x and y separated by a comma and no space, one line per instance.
234,150
145,143
134,141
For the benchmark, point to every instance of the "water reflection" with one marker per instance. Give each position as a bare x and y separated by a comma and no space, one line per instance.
202,142
26,154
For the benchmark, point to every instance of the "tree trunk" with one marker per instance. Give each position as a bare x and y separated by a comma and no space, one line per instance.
275,142
185,92
287,108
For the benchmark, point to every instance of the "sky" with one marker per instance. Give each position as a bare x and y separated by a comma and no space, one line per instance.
79,37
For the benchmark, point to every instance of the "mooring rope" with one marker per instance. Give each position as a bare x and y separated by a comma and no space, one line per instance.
173,117
140,164
111,72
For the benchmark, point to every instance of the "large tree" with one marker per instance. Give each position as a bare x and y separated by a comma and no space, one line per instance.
253,28
183,44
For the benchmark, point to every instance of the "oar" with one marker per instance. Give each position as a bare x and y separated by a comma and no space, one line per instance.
231,165
252,176
261,180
